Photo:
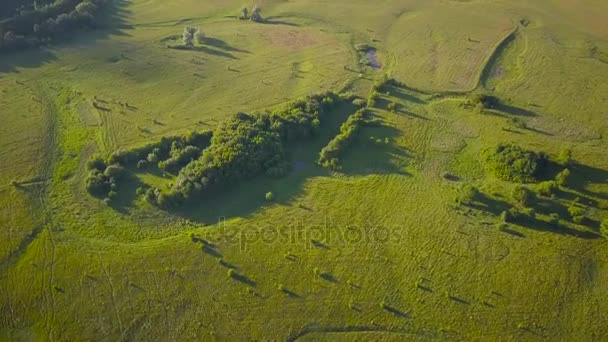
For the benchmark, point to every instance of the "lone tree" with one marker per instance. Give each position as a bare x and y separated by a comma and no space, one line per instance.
244,13
199,36
256,14
188,35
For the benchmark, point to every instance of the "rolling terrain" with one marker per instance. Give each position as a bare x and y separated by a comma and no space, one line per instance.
379,249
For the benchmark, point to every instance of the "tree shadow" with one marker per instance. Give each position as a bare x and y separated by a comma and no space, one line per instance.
127,193
220,44
278,20
513,110
405,95
374,153
329,277
243,279
582,176
394,310
112,21
203,49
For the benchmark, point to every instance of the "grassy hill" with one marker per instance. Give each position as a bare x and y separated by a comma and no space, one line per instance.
377,250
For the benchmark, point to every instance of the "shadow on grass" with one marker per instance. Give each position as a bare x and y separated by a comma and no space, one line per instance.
222,45
127,194
405,94
278,20
111,22
583,176
374,153
243,279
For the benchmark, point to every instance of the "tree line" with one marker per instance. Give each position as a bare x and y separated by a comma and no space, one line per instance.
241,147
41,22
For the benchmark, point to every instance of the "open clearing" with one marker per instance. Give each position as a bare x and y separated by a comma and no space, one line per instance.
376,251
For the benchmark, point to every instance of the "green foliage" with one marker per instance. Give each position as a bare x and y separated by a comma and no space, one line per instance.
359,102
329,155
564,158
547,188
512,163
554,219
562,178
523,196
392,107
604,228
269,196
577,214
40,24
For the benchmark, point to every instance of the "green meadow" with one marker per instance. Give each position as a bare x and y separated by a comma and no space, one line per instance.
426,227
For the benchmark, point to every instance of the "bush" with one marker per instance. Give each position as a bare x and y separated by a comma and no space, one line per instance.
577,214
604,228
115,171
512,163
523,196
392,106
547,188
562,178
269,196
564,158
359,102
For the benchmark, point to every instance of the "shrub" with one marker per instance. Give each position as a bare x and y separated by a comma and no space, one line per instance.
392,106
604,228
359,102
562,177
547,188
269,196
577,214
14,183
523,196
564,158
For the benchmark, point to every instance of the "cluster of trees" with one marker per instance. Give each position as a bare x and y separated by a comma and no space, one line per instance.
512,163
166,154
245,146
256,14
40,23
102,180
329,155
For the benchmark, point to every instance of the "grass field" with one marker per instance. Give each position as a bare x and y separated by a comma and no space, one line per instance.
378,250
